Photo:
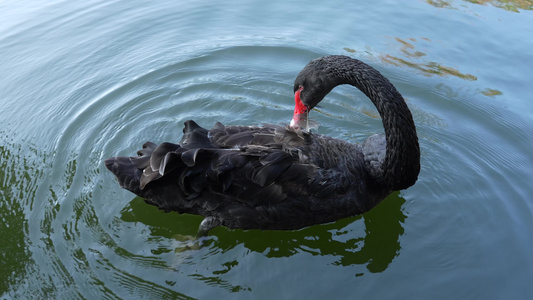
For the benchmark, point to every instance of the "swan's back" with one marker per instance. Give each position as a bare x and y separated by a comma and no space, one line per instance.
266,177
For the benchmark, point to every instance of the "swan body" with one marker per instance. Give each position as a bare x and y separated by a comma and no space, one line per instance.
281,177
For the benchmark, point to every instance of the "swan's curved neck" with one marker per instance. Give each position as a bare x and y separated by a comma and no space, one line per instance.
402,161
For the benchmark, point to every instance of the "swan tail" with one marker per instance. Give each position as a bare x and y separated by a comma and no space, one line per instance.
127,174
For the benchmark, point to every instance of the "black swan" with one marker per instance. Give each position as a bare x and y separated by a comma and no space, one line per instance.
281,177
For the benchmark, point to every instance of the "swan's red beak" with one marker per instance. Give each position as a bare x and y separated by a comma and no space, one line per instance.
301,112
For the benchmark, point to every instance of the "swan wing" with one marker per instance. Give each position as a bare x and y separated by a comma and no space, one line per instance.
228,165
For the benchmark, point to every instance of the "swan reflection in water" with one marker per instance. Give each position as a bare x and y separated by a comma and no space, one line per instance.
377,246
371,240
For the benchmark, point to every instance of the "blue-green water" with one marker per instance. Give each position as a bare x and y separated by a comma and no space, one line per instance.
83,81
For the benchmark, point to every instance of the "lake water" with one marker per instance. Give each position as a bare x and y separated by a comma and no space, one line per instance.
85,80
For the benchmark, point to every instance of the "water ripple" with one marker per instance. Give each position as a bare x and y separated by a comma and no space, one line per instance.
88,85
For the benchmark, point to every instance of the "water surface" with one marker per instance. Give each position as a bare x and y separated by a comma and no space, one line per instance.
85,81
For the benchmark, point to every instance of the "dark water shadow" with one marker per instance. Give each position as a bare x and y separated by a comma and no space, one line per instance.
372,239
376,247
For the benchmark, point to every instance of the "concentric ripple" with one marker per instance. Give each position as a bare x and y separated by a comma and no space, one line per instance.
94,233
86,81
98,238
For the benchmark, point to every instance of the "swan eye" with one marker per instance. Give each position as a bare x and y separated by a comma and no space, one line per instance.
300,88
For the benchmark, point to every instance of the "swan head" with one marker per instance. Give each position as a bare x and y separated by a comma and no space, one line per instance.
311,85
317,79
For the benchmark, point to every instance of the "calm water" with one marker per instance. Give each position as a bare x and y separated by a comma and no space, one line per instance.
83,81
